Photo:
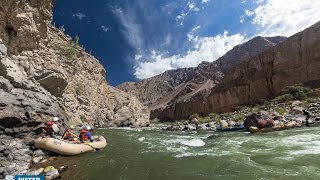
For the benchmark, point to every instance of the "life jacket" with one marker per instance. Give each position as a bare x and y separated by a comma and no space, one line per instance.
270,123
68,135
49,125
262,123
83,135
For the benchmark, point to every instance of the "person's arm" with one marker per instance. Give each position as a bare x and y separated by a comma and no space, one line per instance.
89,136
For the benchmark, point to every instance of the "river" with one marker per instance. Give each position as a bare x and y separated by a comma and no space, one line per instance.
142,154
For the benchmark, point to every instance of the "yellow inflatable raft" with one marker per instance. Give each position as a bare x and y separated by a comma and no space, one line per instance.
69,148
289,125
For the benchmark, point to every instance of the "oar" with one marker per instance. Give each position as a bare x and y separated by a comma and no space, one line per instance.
86,143
94,148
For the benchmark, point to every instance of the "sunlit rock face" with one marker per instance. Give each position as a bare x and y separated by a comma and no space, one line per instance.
44,73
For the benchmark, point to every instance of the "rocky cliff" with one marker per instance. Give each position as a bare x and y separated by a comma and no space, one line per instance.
44,73
174,87
296,60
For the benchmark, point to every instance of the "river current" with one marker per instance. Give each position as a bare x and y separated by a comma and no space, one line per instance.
143,154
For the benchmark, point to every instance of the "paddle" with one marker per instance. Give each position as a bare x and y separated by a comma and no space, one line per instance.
94,148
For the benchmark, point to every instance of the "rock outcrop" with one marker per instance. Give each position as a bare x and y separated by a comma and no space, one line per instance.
164,92
44,73
296,60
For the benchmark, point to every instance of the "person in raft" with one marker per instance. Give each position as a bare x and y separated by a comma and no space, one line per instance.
85,134
52,129
69,135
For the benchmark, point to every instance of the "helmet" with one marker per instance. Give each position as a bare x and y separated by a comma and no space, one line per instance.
55,119
71,126
87,128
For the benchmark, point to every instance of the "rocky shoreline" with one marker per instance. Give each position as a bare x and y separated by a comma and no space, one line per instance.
18,157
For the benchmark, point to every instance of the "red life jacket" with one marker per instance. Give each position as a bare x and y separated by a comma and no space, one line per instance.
83,135
262,123
270,122
49,125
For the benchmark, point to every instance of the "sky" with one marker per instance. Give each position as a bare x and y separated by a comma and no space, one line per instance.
138,39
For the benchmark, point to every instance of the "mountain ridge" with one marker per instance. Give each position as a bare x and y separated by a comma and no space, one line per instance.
183,84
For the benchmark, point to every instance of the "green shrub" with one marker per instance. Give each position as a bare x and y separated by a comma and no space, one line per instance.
280,110
213,115
83,119
202,120
292,93
298,92
283,98
195,115
71,50
239,117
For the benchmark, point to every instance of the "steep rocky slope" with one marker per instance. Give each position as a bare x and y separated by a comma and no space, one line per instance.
296,60
166,90
44,73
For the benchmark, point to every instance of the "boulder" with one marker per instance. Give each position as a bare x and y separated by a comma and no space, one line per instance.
202,127
52,174
231,123
189,127
36,160
3,50
297,110
224,123
36,172
5,84
212,124
296,103
54,83
38,153
252,120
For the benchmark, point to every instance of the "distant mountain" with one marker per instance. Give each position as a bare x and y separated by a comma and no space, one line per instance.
261,77
191,84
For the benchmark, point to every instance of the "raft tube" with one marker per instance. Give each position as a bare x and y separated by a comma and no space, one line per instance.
69,148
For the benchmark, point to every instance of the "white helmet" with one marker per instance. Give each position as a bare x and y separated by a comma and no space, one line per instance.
88,128
55,119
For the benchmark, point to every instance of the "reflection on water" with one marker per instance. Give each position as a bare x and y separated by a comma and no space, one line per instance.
151,154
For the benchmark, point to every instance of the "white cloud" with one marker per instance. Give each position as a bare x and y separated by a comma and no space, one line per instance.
241,19
132,29
248,13
206,49
181,16
191,36
205,1
286,17
105,28
79,15
192,6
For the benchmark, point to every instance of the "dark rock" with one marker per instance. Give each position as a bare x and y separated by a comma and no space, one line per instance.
38,153
6,153
52,174
250,120
39,129
9,132
62,168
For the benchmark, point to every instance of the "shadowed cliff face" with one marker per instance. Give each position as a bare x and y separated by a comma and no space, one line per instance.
165,93
297,60
44,73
